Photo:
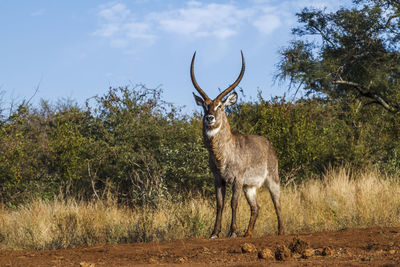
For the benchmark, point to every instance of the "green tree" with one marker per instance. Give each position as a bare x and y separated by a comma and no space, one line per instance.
352,53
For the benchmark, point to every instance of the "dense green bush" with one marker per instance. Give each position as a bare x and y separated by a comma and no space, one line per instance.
133,145
129,142
147,150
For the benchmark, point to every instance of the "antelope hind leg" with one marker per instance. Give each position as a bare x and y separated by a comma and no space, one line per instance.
251,196
275,192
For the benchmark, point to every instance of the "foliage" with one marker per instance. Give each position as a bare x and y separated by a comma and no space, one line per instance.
354,54
133,145
129,142
146,148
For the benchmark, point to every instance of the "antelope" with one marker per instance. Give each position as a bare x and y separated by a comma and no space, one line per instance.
245,161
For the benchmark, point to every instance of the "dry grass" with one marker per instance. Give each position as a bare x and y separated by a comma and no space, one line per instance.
69,223
338,200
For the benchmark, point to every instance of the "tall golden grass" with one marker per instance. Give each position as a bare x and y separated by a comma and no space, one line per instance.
339,199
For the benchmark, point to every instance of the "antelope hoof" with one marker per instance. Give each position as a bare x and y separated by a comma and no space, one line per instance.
213,236
232,235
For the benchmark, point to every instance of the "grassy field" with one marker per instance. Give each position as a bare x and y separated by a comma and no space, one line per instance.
339,199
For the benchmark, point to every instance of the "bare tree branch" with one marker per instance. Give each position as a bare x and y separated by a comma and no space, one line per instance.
36,91
363,92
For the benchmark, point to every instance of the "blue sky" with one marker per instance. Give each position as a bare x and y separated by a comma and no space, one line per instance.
78,49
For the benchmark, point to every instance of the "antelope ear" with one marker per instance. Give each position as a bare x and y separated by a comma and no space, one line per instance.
230,100
199,101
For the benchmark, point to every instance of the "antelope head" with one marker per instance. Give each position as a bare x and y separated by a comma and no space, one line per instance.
214,114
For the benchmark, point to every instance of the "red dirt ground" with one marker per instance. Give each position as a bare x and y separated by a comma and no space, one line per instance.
349,247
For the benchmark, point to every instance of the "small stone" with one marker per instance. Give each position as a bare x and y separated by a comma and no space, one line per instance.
370,258
327,251
86,264
392,251
308,252
152,260
248,248
206,250
266,253
282,253
181,260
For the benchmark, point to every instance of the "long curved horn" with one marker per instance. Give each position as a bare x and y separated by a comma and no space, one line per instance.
201,92
233,85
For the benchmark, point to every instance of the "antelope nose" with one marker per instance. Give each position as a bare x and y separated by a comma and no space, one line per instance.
210,118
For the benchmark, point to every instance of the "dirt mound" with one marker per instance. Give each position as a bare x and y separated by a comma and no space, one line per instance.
298,245
350,247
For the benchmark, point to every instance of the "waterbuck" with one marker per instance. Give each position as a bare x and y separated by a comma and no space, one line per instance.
245,161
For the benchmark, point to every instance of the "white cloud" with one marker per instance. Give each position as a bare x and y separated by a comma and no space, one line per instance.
118,25
108,30
268,21
123,27
136,30
198,20
119,43
114,12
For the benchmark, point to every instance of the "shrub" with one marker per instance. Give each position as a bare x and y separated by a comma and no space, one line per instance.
132,144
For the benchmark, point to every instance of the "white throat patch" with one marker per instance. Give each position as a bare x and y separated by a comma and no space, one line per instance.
211,133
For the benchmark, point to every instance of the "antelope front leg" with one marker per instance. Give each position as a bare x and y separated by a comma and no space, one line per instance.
220,195
236,191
